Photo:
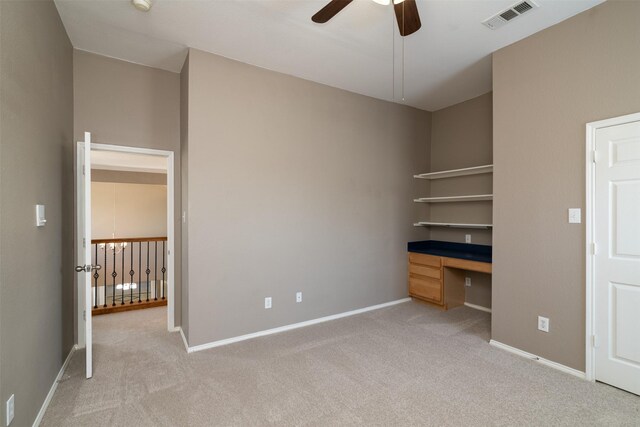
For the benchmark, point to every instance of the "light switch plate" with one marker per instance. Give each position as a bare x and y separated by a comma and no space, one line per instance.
41,220
575,215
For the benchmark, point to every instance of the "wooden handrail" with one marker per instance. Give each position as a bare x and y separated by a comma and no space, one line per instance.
130,239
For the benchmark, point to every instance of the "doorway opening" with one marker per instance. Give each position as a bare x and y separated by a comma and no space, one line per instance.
131,200
128,231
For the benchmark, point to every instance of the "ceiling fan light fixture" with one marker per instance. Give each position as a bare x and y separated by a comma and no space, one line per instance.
383,2
142,5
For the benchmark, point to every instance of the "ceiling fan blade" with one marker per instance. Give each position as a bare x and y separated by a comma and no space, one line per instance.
409,10
329,11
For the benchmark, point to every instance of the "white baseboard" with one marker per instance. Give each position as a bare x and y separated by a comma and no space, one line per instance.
53,388
184,339
538,359
478,307
288,327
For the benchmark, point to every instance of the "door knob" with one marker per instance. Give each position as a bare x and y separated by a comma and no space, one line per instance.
87,268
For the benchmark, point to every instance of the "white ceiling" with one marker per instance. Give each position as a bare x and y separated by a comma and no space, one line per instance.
447,61
129,162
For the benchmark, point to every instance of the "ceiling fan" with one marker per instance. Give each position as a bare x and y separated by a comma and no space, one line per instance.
406,13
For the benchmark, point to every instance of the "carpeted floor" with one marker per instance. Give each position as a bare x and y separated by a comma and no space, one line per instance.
408,364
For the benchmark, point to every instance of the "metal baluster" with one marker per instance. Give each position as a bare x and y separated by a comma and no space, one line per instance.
148,271
123,247
131,273
139,270
163,268
105,275
155,274
114,275
95,276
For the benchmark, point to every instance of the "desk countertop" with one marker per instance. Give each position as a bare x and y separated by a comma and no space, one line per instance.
481,253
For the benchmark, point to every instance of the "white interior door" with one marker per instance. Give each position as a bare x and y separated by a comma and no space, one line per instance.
83,248
617,259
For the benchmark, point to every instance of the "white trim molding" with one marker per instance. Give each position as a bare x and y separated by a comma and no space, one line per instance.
184,339
478,307
546,362
287,327
53,388
171,244
591,128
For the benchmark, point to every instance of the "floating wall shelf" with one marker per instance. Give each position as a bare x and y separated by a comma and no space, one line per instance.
451,225
456,172
449,199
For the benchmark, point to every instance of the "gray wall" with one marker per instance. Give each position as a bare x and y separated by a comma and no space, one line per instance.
462,136
294,186
122,103
546,88
36,264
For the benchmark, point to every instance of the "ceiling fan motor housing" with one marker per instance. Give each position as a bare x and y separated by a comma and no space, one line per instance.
406,13
142,5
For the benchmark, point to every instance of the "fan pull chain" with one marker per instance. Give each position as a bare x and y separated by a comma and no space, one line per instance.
393,56
403,36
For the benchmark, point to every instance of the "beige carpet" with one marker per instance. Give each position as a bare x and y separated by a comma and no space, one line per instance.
404,365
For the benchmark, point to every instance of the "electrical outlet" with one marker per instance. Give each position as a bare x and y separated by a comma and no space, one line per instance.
467,281
467,238
10,409
267,302
298,296
543,324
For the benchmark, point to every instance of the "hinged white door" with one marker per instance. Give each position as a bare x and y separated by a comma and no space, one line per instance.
617,259
83,249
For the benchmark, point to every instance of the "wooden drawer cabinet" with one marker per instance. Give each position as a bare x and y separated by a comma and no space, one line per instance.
423,270
424,259
425,288
425,277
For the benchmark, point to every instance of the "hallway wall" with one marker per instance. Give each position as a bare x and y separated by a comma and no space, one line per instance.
123,210
101,175
36,155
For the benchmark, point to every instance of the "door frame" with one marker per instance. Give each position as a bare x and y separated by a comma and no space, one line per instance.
169,155
590,250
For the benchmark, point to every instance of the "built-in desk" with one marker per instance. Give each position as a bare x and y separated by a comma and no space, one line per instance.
436,270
